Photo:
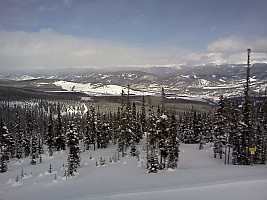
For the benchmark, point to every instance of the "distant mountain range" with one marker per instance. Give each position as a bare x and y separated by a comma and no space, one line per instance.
205,81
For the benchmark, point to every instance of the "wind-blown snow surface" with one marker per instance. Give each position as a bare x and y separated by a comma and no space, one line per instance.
199,176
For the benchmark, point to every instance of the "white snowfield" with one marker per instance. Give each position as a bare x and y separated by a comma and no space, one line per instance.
199,177
90,89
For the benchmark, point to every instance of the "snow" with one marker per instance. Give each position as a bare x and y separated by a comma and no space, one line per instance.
218,87
219,192
204,82
199,176
164,117
24,78
187,98
90,89
105,76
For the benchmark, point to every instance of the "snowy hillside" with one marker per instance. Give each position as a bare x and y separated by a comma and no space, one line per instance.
199,176
207,81
100,89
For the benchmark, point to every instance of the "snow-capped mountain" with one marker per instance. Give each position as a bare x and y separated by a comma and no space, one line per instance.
205,81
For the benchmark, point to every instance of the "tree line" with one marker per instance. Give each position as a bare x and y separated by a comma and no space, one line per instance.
29,128
237,130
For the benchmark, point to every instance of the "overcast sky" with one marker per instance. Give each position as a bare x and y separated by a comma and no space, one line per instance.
103,33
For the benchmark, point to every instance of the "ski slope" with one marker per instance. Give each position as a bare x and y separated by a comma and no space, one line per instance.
199,176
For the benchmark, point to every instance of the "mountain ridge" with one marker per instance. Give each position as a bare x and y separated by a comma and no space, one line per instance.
204,81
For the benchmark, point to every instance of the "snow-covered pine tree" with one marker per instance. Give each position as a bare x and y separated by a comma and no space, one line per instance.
19,134
10,141
31,134
162,139
3,163
87,136
128,123
173,144
123,133
74,150
236,136
59,136
182,128
116,127
247,121
190,128
105,132
261,134
219,129
50,135
125,129
231,129
208,126
113,127
199,127
91,128
143,116
136,126
4,155
151,141
98,125
244,138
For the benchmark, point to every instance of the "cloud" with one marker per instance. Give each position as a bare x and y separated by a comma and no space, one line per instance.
237,44
204,58
47,48
47,9
67,3
53,6
233,49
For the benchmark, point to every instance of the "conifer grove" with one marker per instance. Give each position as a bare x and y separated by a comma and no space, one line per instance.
236,128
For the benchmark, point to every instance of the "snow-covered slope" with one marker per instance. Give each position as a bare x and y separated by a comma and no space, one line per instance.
199,176
100,89
207,81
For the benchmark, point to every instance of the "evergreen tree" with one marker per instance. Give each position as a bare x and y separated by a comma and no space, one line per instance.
4,154
190,127
232,129
87,138
59,136
247,133
112,127
173,144
3,162
162,138
32,137
93,133
182,128
126,134
117,126
50,135
261,134
143,116
236,136
151,141
98,128
219,129
74,150
19,135
105,132
137,134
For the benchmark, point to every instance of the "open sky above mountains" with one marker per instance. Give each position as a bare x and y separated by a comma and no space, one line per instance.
105,33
